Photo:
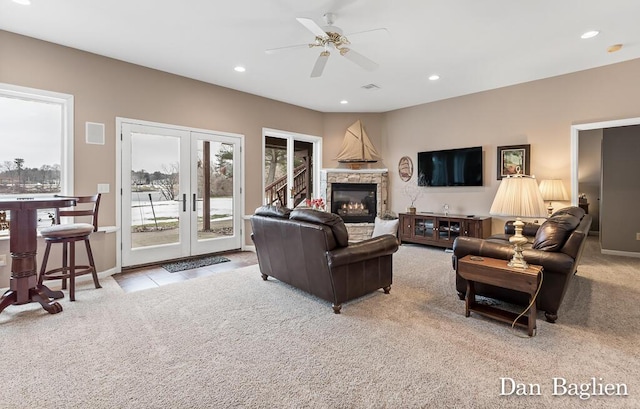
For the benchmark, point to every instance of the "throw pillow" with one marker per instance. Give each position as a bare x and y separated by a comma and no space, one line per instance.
572,210
381,227
554,232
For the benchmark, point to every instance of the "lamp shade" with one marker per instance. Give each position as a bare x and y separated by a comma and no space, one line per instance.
518,196
553,189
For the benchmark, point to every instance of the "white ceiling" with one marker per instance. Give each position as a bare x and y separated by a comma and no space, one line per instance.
474,45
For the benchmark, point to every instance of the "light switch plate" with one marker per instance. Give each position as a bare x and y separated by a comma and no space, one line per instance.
103,188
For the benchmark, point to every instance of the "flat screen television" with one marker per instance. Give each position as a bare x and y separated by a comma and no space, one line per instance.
451,167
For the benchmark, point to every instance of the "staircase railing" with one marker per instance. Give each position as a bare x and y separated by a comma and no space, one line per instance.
276,192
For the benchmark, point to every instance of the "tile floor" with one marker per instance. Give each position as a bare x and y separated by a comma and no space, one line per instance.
149,277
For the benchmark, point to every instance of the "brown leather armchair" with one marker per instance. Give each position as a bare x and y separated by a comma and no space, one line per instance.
556,245
310,250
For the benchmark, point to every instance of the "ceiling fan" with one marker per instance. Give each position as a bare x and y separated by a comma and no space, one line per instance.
331,37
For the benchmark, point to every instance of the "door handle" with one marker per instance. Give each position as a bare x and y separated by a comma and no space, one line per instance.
194,202
184,202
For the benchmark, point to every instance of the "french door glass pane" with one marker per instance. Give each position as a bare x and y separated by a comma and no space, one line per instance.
215,189
155,205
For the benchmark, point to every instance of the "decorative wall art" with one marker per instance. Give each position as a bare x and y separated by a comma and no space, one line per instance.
405,168
512,160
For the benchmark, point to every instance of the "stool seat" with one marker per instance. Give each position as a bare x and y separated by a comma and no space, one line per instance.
68,235
67,230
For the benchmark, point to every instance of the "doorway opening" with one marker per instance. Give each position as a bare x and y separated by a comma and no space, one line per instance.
291,168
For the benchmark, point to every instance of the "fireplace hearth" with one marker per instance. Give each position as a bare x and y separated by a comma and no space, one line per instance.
354,202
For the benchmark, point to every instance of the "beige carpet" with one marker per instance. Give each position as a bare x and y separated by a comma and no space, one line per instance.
233,340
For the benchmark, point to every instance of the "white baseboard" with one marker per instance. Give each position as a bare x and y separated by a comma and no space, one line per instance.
620,253
246,247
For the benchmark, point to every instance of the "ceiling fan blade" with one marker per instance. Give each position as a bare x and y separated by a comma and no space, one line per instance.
312,26
379,31
359,59
288,47
319,65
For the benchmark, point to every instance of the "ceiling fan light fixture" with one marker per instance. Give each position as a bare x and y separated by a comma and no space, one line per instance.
589,34
330,38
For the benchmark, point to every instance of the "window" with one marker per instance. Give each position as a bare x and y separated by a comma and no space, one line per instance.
36,144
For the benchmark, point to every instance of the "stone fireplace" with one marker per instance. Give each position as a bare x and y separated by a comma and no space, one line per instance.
361,188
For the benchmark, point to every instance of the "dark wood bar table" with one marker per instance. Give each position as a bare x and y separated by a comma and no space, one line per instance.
23,245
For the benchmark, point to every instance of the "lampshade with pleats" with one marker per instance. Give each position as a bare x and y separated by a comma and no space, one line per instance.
553,189
519,196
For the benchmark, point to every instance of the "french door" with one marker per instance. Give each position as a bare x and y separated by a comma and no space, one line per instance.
180,192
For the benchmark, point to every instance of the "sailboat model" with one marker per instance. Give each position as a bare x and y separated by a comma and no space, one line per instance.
357,147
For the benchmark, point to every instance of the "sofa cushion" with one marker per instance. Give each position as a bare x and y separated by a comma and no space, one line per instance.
333,221
382,226
273,211
572,210
529,229
553,233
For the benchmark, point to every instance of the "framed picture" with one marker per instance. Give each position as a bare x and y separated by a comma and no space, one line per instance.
405,168
513,160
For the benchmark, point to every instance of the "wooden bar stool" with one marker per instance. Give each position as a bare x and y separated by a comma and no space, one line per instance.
68,235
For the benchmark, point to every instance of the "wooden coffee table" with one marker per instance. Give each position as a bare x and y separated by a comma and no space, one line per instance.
495,272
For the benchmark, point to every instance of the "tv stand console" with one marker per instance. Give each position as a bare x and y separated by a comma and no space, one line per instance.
438,229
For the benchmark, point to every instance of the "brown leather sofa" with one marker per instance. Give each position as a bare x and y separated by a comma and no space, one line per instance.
556,245
309,249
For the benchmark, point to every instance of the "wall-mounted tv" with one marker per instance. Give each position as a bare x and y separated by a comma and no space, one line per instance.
451,167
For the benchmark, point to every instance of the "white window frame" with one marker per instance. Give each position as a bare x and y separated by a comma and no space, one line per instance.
67,137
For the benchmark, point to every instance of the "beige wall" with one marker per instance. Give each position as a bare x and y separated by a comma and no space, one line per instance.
335,126
104,89
538,113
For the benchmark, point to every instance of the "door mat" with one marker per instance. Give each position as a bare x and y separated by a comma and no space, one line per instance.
194,263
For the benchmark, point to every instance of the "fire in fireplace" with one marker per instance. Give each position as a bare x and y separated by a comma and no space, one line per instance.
354,202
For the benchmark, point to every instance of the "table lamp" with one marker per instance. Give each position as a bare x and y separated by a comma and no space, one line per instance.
519,196
553,189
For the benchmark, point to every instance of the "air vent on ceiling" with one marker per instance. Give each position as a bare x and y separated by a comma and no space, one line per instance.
371,86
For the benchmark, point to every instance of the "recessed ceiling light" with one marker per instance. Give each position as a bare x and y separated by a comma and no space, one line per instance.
23,2
589,34
434,77
344,102
240,68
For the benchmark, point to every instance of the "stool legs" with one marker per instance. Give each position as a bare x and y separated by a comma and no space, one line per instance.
69,266
65,267
72,270
94,272
43,268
